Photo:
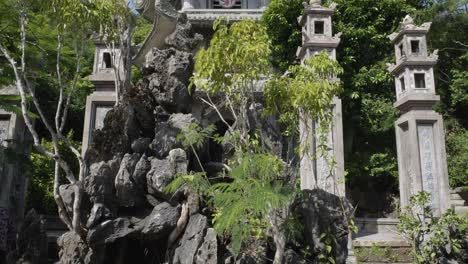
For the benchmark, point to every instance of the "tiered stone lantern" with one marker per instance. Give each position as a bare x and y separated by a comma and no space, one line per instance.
103,98
315,171
419,131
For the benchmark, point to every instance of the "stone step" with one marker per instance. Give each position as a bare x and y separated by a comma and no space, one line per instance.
458,202
377,225
461,209
379,239
381,248
455,196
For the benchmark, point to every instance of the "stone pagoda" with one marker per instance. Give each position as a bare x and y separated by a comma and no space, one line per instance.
315,171
103,98
419,131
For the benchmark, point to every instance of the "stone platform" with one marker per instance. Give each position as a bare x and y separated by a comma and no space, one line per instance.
379,242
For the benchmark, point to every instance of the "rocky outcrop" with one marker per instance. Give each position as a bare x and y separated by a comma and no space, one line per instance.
323,212
99,184
208,251
162,172
125,186
165,138
76,251
109,231
161,221
189,244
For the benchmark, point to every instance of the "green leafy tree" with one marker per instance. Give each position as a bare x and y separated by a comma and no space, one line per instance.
254,192
72,24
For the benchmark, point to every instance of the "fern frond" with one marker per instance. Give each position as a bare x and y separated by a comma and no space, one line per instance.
196,181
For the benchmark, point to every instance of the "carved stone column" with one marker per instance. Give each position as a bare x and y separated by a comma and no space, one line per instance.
419,131
315,170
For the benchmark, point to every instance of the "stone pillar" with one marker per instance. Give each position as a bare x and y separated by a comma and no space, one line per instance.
103,98
15,148
419,131
316,172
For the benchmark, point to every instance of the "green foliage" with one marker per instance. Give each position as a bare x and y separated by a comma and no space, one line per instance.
457,157
196,181
9,103
238,58
40,195
143,27
329,242
44,24
242,201
433,238
306,93
280,21
253,190
194,135
237,55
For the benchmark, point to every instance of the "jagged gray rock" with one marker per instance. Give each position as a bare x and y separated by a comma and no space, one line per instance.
99,212
325,212
141,145
67,193
178,159
191,241
161,221
165,138
168,72
99,184
183,38
111,230
208,252
126,189
73,250
162,172
139,174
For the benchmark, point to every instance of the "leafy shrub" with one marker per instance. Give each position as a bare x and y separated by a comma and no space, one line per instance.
434,239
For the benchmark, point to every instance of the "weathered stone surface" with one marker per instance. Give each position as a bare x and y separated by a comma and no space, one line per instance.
126,189
67,193
164,140
166,134
139,174
130,120
141,145
191,241
111,230
168,74
99,184
73,250
99,212
181,121
162,172
183,38
325,212
178,159
208,252
161,221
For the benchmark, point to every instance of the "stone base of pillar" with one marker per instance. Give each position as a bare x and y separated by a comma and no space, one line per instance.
422,162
